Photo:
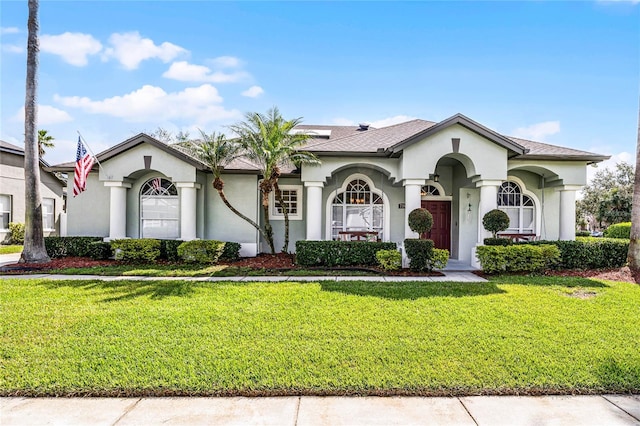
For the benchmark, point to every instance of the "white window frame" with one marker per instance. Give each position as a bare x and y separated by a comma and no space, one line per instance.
162,193
536,208
10,198
273,208
52,214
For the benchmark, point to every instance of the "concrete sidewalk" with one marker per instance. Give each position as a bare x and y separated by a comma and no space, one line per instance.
334,411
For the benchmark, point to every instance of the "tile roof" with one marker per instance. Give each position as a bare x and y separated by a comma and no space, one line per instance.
9,146
540,149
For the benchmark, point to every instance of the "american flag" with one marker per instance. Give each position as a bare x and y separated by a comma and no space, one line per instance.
84,162
157,185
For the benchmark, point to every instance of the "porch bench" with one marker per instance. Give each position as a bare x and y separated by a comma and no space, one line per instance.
358,235
516,237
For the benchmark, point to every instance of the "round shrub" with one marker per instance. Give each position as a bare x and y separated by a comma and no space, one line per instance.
389,260
619,230
495,221
420,221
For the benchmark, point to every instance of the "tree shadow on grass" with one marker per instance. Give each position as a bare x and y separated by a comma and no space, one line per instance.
541,280
411,290
124,290
621,376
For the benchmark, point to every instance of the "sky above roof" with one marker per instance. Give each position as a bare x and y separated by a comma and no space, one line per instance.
564,73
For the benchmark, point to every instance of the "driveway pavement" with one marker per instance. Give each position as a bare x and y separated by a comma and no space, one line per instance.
475,410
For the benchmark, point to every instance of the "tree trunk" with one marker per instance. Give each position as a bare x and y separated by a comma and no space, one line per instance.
218,184
266,186
34,250
634,242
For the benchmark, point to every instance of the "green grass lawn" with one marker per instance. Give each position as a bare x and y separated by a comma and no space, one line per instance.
10,249
511,335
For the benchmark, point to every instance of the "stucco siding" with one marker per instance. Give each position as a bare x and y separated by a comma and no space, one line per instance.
122,166
88,213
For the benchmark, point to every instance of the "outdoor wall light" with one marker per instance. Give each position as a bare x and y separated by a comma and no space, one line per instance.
436,177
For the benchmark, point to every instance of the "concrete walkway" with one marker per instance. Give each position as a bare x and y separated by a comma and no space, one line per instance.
476,410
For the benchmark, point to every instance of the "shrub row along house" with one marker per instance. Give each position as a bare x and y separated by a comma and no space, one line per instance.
366,185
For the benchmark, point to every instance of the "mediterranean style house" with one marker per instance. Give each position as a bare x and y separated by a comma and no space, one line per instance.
368,182
12,203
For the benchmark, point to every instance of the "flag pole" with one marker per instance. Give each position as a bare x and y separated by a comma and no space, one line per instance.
93,154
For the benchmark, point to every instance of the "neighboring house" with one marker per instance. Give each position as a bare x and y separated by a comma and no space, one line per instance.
369,180
12,205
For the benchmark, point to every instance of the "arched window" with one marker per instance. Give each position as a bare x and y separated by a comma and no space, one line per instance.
429,190
357,208
159,209
519,207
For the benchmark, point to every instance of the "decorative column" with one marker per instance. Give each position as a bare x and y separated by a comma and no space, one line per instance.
187,209
488,201
568,212
314,210
118,209
412,201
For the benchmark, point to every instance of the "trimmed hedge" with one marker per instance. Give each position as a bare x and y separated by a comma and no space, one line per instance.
230,252
169,250
596,253
136,250
440,258
497,241
420,253
389,260
69,246
16,233
100,250
517,258
201,251
583,234
619,230
339,253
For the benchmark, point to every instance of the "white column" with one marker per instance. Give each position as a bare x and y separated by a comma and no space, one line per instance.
314,210
187,209
412,201
568,213
118,209
488,202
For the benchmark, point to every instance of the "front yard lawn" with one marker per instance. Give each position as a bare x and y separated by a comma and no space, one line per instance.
10,249
510,335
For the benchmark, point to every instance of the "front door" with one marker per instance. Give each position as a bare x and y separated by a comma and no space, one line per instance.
441,230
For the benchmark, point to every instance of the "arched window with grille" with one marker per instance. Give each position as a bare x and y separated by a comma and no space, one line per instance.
519,207
159,209
357,207
429,190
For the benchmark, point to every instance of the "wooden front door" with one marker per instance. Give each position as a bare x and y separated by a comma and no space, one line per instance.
441,230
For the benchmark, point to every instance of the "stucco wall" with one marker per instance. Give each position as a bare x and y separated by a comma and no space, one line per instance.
12,183
88,213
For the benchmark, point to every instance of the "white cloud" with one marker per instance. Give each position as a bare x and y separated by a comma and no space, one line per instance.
538,131
151,103
9,30
47,115
130,49
390,121
225,62
74,48
184,71
253,92
12,48
340,121
610,163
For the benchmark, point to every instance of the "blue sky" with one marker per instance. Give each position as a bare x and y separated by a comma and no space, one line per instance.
565,73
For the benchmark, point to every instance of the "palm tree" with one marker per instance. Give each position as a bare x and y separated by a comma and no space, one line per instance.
268,141
634,243
34,250
217,152
45,140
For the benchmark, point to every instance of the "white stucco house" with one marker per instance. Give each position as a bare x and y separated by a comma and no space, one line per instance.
12,201
369,180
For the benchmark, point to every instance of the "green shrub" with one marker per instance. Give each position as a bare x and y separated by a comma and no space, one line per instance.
495,221
593,253
583,234
69,246
169,250
389,260
517,258
136,250
230,252
440,258
16,233
420,221
497,241
99,250
420,253
201,251
339,253
619,230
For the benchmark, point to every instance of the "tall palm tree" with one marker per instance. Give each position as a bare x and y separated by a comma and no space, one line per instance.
34,250
45,140
634,243
217,152
268,141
